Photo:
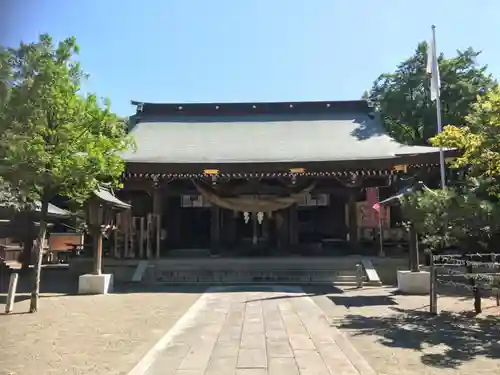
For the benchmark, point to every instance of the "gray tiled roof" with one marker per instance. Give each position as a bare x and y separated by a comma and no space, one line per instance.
106,196
264,138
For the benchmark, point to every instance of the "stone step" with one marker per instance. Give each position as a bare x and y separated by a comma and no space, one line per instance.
254,276
272,264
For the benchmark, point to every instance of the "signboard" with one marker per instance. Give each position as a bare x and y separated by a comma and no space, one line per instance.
367,217
316,200
194,201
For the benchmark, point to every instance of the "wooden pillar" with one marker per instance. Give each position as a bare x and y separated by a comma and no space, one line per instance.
293,225
283,229
215,227
265,227
175,211
228,227
255,235
157,211
165,215
141,237
352,218
231,227
278,222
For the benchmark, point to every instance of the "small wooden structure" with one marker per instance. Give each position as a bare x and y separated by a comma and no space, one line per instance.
101,212
19,228
62,245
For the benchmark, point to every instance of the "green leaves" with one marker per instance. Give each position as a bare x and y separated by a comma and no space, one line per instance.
453,217
478,141
403,97
54,141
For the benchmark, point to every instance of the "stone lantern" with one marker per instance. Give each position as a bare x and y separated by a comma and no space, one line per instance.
100,211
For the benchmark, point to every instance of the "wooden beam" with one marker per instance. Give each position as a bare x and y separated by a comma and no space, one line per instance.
157,212
352,218
293,225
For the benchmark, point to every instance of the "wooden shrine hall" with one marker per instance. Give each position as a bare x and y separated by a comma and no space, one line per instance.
259,178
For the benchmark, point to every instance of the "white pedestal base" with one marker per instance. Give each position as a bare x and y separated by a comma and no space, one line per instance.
95,284
414,282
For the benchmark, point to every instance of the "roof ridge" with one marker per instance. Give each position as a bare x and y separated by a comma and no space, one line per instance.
251,108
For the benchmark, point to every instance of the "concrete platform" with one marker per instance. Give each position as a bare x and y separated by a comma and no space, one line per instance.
95,284
414,282
273,331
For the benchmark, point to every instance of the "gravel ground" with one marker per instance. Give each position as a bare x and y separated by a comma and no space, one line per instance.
99,335
396,334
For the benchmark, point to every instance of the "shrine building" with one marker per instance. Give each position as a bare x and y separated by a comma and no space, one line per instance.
261,178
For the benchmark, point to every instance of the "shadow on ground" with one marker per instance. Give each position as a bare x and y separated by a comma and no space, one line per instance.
63,282
363,301
463,336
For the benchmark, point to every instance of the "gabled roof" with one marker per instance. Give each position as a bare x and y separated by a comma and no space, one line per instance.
9,202
262,133
105,196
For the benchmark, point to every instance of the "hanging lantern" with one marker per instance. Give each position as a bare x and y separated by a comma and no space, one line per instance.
94,212
400,168
211,171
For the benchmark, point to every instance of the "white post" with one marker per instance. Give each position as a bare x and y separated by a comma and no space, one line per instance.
9,306
438,108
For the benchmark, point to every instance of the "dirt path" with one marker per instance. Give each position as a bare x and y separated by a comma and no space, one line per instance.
101,335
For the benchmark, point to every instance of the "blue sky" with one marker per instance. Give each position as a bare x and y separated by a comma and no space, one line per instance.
253,50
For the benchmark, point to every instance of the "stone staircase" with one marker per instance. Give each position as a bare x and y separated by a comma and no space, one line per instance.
296,270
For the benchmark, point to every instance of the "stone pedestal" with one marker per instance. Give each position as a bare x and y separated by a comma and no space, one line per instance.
414,282
95,284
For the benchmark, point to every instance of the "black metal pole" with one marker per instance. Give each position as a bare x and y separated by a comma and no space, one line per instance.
414,255
433,287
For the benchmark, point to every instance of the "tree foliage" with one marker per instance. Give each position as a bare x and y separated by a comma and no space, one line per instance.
53,140
469,213
458,217
403,97
478,141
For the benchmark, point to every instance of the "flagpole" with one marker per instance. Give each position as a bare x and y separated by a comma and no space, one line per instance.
438,109
436,84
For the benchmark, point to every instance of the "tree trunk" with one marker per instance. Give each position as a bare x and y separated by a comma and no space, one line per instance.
477,300
35,292
27,256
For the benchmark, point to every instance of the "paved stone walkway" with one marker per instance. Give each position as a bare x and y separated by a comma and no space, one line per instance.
271,331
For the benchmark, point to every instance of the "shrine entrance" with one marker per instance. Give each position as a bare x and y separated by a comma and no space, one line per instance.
256,229
194,225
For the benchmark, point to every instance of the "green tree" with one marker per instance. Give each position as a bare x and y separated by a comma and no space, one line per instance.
403,97
478,142
54,141
453,217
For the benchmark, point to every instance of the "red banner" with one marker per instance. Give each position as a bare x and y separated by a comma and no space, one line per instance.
374,209
372,196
